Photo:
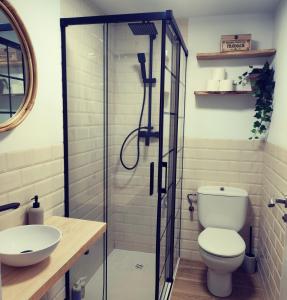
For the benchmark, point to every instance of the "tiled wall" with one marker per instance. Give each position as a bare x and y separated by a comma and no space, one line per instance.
272,228
223,163
24,174
85,116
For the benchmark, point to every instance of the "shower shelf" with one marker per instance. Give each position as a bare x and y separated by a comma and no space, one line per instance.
236,54
207,93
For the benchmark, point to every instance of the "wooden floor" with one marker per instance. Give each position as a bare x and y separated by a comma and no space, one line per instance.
190,284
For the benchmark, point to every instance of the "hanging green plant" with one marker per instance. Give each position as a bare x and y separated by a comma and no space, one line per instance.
262,84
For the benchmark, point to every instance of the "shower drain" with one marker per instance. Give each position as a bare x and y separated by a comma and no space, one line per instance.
139,266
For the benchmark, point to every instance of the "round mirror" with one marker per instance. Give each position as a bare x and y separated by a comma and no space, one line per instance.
17,69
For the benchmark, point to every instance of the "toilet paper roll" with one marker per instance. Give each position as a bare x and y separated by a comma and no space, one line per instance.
226,85
219,74
212,85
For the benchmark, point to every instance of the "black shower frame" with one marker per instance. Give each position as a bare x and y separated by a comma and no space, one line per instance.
167,18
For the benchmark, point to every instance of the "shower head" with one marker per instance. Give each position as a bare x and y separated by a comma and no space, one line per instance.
144,28
142,60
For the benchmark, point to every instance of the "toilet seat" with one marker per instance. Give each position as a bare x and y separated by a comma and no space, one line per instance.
221,242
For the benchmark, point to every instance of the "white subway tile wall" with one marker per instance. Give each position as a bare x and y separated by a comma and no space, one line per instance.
272,228
26,173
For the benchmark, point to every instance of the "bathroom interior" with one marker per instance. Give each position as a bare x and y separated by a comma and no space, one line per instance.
141,156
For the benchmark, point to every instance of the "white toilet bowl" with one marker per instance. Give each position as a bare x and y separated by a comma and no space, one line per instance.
222,250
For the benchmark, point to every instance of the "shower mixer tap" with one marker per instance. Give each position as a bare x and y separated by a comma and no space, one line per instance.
146,132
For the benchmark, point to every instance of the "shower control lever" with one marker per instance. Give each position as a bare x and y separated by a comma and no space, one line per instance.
150,80
150,134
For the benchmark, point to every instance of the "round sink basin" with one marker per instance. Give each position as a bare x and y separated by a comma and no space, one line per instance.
28,245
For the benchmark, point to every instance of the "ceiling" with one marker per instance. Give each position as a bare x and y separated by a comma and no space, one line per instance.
188,8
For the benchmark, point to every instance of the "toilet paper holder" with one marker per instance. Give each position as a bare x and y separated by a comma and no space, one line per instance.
279,201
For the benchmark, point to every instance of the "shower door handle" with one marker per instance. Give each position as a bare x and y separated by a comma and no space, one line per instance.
151,178
163,189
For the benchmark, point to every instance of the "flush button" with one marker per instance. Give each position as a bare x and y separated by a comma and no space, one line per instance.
222,188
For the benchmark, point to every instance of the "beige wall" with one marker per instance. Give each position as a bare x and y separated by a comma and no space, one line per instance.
272,228
43,126
24,174
227,117
279,125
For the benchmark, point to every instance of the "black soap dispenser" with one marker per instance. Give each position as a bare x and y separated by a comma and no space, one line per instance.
35,213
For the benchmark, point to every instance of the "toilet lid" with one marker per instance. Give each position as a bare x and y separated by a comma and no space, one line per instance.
221,242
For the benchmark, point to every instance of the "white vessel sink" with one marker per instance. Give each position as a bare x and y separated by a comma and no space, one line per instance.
28,245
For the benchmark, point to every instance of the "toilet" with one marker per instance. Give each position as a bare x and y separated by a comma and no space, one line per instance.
222,212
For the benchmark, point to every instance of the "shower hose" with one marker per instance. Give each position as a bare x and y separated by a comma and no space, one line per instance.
140,127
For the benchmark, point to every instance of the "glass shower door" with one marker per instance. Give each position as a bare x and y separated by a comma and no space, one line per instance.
167,161
85,149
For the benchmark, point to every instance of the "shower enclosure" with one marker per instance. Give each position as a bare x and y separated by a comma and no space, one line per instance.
124,106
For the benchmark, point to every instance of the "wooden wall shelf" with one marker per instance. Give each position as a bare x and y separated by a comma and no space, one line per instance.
207,93
237,54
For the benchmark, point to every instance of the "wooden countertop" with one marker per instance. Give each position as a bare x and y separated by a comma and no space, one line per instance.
34,281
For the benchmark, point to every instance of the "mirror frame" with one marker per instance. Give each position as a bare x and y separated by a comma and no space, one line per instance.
30,66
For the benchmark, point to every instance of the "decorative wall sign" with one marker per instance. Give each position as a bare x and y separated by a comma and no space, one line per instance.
237,42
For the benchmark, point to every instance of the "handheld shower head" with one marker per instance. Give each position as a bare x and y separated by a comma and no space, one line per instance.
142,60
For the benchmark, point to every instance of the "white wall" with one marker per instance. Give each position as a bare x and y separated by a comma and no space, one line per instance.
217,117
278,129
43,126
